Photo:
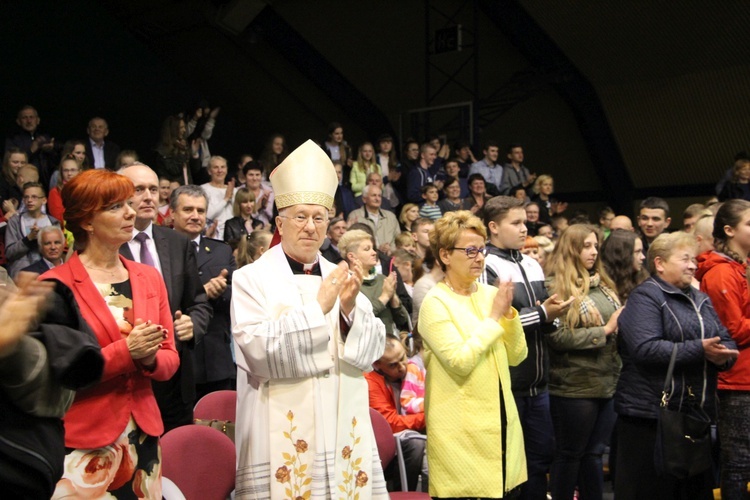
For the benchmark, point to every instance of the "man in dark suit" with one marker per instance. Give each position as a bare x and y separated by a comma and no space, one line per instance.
174,257
51,242
101,153
214,367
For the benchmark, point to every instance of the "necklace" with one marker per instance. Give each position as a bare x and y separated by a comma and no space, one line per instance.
111,273
471,290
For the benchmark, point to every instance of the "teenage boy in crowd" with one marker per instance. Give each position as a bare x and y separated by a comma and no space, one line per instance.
505,219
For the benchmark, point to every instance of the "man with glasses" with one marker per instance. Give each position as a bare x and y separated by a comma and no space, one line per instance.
303,336
21,244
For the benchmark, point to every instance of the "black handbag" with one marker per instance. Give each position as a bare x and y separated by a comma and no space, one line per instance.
683,437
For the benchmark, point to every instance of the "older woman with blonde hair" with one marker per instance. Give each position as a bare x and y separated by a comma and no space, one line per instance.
584,365
357,245
471,335
665,313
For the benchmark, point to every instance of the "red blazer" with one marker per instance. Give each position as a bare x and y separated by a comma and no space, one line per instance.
55,205
381,399
100,413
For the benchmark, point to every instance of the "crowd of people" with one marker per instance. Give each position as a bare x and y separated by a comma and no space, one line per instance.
515,350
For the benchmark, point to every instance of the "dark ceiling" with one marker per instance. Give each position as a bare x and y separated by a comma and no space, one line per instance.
617,100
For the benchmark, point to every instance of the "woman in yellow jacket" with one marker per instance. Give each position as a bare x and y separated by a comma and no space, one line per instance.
471,335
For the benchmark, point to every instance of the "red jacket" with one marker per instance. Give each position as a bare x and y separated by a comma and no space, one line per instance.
55,205
100,413
381,399
723,279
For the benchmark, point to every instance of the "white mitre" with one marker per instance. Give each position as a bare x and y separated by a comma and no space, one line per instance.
306,176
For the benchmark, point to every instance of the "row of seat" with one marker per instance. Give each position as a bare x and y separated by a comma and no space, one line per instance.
199,461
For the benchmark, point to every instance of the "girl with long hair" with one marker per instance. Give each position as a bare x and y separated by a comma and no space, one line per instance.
622,255
723,276
409,213
13,160
76,148
175,158
273,153
584,364
69,168
364,165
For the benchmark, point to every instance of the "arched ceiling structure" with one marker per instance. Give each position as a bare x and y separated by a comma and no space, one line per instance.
617,100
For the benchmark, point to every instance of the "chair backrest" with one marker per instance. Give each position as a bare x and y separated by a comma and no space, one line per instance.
219,405
200,461
383,438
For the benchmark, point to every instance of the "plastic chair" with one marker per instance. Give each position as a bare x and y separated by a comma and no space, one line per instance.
219,405
388,449
200,461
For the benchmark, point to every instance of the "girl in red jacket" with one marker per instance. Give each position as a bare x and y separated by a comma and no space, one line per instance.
722,274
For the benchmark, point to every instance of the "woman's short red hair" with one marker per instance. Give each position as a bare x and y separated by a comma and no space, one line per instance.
88,193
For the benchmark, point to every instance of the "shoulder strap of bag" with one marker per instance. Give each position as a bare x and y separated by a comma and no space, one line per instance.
668,379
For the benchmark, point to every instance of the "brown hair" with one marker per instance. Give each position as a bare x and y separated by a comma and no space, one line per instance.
730,214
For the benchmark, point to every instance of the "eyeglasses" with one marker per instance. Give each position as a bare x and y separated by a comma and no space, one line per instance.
472,252
302,220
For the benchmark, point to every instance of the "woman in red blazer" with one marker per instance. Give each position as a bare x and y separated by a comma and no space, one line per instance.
112,430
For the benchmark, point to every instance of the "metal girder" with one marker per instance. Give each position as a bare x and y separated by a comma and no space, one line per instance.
580,95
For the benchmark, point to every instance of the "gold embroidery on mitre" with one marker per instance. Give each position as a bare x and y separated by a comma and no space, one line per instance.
303,198
305,177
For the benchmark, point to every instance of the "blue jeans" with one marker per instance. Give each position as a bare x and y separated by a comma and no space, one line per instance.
539,441
582,430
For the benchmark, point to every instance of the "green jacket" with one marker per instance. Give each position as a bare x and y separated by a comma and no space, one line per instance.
583,361
388,315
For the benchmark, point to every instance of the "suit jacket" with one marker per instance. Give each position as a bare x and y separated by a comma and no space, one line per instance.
213,356
39,267
19,250
100,413
111,151
186,294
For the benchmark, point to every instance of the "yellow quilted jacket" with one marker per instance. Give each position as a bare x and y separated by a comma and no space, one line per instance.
467,357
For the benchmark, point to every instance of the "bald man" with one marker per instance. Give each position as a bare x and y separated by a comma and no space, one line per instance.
621,222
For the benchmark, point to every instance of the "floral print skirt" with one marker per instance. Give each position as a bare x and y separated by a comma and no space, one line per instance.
129,468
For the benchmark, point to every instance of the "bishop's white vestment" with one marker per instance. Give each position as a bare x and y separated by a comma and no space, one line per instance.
303,424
